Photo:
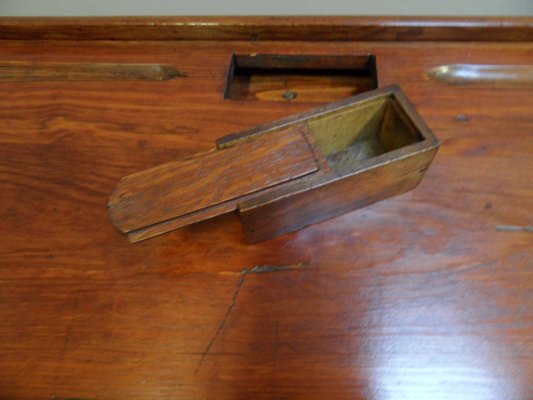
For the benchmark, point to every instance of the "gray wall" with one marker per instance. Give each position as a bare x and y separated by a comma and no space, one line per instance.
266,7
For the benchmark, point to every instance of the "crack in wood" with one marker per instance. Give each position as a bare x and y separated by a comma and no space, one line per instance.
223,323
262,269
259,269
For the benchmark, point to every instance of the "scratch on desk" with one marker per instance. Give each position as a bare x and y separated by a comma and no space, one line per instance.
513,228
259,269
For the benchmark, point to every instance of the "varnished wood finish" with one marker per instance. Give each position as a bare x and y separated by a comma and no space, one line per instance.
492,75
268,28
423,296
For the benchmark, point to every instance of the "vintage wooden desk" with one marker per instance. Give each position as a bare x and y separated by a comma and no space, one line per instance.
423,296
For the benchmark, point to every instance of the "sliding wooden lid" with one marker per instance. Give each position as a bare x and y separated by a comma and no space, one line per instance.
210,184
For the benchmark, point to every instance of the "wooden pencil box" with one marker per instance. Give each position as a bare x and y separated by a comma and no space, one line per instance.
285,175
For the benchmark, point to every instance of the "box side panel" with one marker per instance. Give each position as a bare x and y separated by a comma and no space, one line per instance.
291,213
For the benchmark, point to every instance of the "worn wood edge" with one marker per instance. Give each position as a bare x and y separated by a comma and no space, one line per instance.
330,28
170,225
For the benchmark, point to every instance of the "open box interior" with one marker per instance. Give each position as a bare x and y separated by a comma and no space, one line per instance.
363,131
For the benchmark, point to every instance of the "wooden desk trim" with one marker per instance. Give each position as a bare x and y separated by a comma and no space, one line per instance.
507,29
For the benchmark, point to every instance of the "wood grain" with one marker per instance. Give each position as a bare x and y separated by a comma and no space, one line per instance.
269,28
417,297
264,221
180,187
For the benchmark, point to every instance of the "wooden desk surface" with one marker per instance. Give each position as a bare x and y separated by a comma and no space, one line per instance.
424,296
